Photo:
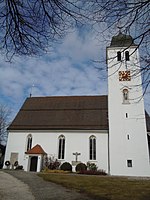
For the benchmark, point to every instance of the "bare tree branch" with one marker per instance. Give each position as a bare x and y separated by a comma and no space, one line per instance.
4,122
31,27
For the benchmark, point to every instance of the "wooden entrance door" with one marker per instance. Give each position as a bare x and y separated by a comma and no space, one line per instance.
33,163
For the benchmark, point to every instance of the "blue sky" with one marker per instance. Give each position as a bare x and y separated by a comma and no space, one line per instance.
67,69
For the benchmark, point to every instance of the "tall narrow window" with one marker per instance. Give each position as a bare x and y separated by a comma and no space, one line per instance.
61,148
127,56
125,96
29,142
119,56
92,141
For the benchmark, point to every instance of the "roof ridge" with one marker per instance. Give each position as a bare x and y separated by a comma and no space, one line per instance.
66,96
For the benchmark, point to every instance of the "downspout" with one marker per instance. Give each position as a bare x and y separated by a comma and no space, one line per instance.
108,153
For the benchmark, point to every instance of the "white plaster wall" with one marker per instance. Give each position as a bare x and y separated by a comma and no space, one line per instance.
76,141
79,142
16,144
122,149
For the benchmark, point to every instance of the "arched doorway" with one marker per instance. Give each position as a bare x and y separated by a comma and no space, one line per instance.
33,163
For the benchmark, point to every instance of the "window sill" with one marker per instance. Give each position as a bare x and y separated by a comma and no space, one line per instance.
91,161
126,102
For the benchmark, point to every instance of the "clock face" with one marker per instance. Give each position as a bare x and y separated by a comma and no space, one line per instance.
124,76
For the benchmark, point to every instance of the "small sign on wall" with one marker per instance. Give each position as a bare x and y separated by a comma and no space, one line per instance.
74,163
13,158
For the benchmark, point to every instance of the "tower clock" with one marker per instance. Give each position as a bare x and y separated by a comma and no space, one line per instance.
124,76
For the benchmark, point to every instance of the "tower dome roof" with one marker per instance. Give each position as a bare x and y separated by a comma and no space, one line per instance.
122,40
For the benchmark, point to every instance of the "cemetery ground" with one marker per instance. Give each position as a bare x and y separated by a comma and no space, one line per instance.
104,187
71,186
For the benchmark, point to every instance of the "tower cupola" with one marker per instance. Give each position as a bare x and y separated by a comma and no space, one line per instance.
122,40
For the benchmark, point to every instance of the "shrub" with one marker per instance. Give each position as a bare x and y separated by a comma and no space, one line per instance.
66,167
54,165
91,166
19,167
93,172
55,171
50,163
81,167
45,163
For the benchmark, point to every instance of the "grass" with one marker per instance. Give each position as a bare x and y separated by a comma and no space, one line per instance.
106,188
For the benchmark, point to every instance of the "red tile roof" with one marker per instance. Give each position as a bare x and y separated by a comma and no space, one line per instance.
62,113
37,149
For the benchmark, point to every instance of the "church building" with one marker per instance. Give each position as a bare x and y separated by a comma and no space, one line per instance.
111,130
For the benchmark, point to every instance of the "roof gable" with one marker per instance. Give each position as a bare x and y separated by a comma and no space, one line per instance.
36,150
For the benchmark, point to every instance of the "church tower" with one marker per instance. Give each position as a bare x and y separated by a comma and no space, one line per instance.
128,146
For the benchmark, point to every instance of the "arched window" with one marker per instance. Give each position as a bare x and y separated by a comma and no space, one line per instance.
125,96
61,148
29,142
127,57
92,141
118,56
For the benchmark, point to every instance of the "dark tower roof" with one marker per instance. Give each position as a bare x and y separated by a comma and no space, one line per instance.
122,40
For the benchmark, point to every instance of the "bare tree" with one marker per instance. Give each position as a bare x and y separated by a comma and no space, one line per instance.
4,122
131,14
29,27
132,17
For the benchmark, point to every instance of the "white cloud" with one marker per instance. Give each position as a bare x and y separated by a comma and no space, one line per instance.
80,49
65,71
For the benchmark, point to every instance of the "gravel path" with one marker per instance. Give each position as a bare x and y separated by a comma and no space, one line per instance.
28,186
12,188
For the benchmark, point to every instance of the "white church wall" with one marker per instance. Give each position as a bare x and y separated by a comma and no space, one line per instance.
79,142
75,141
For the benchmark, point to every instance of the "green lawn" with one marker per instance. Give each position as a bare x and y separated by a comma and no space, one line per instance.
103,187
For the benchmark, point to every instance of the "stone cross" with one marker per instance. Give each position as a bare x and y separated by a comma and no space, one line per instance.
76,154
